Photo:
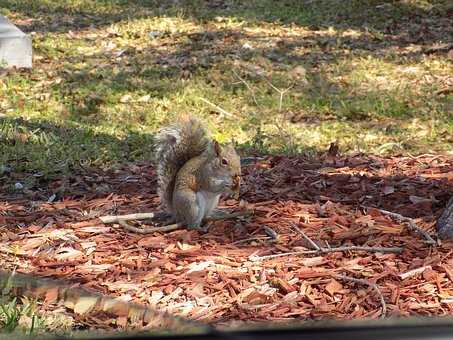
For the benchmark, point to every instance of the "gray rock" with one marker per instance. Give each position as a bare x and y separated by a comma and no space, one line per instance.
15,46
445,222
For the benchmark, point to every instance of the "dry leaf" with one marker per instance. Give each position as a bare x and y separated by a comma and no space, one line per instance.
33,243
126,98
85,304
144,99
333,287
51,295
67,253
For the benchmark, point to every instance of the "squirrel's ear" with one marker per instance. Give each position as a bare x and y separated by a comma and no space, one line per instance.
217,148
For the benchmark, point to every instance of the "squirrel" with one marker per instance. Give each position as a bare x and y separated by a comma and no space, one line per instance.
193,170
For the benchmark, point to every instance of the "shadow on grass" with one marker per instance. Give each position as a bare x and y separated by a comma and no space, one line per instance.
385,29
385,17
159,74
35,150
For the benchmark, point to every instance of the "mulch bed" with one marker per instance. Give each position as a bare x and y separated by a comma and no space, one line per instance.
217,277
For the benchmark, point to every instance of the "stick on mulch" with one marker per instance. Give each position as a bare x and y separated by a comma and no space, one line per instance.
410,223
130,217
121,219
384,250
57,240
321,250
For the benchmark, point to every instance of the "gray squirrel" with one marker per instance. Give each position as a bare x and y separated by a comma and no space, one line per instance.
193,170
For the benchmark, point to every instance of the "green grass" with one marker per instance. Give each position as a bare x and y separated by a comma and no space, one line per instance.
25,316
20,317
101,86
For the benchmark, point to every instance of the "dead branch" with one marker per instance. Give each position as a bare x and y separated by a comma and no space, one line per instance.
250,239
369,284
281,92
130,217
247,85
144,231
174,226
309,240
218,108
385,250
410,223
413,272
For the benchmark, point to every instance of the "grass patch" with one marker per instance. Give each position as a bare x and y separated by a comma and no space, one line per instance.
108,74
24,317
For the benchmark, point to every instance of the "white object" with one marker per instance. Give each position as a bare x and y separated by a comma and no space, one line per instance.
15,46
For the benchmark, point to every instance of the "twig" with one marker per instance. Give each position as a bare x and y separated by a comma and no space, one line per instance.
144,231
369,284
312,243
411,224
413,272
281,92
129,217
394,250
247,85
174,226
218,108
252,239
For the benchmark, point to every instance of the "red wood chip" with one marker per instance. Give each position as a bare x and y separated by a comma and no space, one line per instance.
218,276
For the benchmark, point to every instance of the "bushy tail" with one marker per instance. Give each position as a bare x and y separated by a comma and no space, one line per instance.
175,145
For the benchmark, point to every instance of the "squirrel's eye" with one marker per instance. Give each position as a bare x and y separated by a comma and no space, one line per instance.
224,161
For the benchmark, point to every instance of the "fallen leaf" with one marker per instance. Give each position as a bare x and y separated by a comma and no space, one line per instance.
196,267
333,287
66,253
33,243
51,295
85,304
314,261
144,99
126,98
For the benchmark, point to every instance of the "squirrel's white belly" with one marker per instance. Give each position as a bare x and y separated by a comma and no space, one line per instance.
207,202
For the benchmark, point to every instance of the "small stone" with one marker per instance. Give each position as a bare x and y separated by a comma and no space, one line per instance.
4,169
15,46
154,34
19,186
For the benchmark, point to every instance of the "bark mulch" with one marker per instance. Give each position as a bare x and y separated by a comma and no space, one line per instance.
224,276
